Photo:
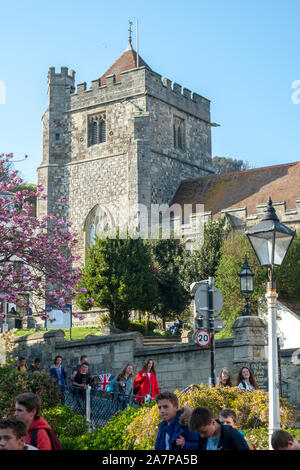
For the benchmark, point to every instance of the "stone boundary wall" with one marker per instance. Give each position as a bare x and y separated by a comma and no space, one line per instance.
177,365
181,365
290,375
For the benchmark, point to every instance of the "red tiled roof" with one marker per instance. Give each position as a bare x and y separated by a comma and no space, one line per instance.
243,188
127,61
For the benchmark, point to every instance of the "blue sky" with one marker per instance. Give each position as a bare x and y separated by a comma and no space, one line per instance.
242,55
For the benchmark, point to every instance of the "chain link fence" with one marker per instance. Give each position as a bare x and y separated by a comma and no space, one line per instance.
96,405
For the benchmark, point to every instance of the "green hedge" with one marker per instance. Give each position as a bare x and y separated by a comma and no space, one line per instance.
141,326
65,423
13,382
110,437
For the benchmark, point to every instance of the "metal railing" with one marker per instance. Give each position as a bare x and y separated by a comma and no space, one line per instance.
98,406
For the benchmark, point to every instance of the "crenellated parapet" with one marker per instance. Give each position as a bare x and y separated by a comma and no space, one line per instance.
142,81
64,74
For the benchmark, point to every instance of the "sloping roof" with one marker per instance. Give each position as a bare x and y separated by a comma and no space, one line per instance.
127,61
242,188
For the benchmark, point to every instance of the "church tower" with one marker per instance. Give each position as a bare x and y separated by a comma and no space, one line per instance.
130,138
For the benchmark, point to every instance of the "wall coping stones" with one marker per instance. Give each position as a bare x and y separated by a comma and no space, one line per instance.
39,336
180,348
287,352
136,337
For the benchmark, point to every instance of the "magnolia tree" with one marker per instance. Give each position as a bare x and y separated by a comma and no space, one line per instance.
36,255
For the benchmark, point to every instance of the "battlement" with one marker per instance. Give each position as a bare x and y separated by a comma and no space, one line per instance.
62,75
176,88
240,218
145,81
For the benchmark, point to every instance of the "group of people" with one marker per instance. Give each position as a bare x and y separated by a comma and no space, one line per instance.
182,428
245,379
142,388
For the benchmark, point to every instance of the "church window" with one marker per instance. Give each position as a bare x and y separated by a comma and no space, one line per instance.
57,137
97,129
99,222
178,132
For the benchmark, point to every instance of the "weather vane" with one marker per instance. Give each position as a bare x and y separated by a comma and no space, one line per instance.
130,31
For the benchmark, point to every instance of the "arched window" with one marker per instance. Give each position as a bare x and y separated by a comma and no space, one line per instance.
178,133
97,129
98,223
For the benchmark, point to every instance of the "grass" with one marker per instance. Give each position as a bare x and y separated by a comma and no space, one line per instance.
77,332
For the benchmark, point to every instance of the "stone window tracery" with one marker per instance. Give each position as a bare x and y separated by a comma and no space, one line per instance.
97,129
99,223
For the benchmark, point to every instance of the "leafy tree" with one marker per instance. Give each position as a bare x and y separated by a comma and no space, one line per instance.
36,256
168,258
288,275
227,165
202,264
118,276
227,280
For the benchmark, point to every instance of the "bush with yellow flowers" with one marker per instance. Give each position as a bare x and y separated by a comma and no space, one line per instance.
252,411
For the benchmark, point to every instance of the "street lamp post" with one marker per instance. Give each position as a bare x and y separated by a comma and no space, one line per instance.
270,240
246,284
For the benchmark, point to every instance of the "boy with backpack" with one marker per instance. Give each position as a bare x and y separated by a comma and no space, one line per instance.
173,431
39,432
213,434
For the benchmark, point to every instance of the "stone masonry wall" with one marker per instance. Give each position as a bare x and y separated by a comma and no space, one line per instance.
178,366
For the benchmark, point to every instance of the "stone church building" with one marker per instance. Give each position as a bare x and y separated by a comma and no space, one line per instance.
136,139
129,139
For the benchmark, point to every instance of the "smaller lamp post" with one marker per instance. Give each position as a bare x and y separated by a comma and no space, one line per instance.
246,285
270,240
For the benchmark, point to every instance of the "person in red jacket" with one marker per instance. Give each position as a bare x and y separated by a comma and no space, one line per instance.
145,383
27,409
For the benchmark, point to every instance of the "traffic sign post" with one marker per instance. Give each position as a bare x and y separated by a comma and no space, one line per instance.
208,302
202,338
212,329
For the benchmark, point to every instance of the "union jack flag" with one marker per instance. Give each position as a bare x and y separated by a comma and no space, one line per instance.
103,382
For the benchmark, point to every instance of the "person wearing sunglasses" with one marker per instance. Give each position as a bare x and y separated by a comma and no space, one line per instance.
225,378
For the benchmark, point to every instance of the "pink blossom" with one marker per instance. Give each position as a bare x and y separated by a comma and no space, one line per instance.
45,251
82,289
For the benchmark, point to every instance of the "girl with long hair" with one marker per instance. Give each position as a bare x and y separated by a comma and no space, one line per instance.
246,380
122,386
145,383
225,378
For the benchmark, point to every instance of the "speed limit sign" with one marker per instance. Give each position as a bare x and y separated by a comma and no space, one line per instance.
202,338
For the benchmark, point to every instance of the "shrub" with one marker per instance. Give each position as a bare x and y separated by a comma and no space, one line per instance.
12,383
251,409
260,436
110,437
65,423
141,326
104,320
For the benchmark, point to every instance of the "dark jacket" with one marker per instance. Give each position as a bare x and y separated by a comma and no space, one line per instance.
230,439
178,427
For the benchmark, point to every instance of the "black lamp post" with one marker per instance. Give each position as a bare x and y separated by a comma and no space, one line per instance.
246,285
270,240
